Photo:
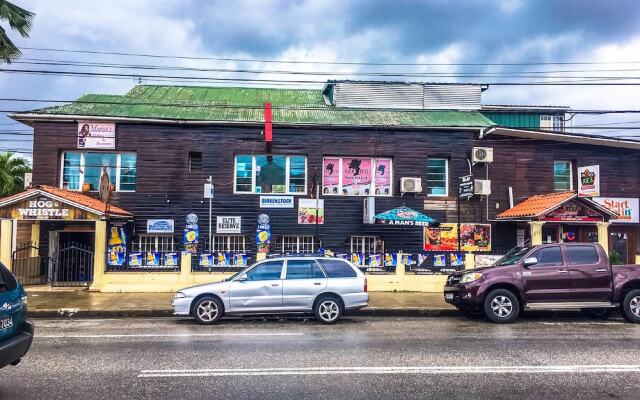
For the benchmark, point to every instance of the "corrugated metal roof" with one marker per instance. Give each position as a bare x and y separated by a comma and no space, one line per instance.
236,104
450,97
378,95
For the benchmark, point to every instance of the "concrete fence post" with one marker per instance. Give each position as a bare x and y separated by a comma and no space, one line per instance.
6,242
99,255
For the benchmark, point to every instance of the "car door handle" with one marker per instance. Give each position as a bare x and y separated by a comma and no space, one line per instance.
275,284
601,270
317,283
562,271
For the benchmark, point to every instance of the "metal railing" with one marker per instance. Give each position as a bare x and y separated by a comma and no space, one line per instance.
139,261
221,261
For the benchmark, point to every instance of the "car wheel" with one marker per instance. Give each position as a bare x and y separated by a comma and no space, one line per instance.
207,310
328,309
631,306
501,306
597,313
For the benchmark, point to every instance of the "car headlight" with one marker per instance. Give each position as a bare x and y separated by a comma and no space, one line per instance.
180,295
24,300
470,277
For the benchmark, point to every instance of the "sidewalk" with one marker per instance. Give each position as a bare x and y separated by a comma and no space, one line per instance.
85,304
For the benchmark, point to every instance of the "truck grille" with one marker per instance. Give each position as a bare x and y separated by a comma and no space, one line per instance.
453,280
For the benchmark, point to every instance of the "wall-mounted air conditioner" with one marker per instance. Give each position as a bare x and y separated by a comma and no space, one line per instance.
482,155
482,187
410,185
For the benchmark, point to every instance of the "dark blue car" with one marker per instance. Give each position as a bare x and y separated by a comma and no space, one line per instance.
16,333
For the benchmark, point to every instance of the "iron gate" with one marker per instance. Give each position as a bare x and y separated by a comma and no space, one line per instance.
73,266
29,267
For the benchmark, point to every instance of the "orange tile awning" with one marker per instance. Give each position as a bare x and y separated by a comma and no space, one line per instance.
73,198
537,206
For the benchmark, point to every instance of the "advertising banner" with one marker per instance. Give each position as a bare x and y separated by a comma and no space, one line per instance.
456,259
171,259
117,246
331,176
375,260
440,260
356,176
390,259
153,259
263,233
191,234
135,259
589,181
475,237
382,176
224,259
307,211
627,208
441,238
206,260
160,226
240,260
572,211
94,135
228,224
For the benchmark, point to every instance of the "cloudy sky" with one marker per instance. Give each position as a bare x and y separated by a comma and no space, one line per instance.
603,33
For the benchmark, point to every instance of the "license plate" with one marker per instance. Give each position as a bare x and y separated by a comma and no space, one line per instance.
448,296
6,323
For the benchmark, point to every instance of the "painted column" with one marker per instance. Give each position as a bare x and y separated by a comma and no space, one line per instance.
400,271
6,241
99,255
185,266
35,238
469,261
536,232
603,235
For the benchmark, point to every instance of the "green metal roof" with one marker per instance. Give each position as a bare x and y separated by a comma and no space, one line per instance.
238,104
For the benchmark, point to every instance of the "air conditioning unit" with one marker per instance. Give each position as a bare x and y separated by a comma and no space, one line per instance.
410,185
482,187
482,155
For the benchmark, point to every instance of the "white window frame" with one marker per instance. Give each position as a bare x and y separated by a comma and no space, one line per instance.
239,245
301,242
372,188
253,174
570,175
552,123
364,240
155,245
446,178
117,168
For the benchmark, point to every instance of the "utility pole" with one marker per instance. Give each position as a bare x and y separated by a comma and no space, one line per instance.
209,194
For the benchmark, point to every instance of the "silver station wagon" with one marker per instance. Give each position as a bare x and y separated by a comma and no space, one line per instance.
324,286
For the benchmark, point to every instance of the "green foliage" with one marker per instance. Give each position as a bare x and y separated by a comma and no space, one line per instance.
12,170
615,258
18,19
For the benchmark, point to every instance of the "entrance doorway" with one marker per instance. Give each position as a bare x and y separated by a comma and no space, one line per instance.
73,259
622,241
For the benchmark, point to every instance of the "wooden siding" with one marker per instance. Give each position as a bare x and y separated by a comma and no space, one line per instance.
166,189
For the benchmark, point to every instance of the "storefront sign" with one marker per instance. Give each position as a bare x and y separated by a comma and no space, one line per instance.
191,234
44,208
473,237
572,211
382,176
331,176
228,224
116,246
307,213
627,208
160,226
465,190
94,135
263,233
589,181
276,201
356,176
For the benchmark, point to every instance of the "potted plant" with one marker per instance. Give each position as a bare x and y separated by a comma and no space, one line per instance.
86,187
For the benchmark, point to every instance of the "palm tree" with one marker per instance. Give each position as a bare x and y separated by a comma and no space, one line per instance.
12,170
20,20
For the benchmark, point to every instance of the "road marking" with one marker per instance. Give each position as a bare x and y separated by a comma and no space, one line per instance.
168,335
531,369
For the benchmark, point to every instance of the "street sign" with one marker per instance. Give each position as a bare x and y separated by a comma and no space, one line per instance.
208,191
466,186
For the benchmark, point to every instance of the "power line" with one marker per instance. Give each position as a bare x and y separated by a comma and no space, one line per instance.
148,55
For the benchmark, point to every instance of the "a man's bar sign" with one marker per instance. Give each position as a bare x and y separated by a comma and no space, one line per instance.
466,186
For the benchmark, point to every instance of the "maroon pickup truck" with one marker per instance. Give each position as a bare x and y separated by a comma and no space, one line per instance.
550,276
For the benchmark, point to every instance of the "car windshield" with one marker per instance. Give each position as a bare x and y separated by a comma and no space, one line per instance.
513,256
242,271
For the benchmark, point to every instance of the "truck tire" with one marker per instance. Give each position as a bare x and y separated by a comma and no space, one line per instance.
597,313
501,306
631,306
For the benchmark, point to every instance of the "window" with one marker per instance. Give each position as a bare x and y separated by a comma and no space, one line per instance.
268,271
357,176
303,269
548,256
162,243
271,174
226,243
195,161
437,177
552,123
562,176
337,268
298,244
367,244
79,168
580,255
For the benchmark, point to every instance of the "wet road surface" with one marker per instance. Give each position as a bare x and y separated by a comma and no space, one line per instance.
360,358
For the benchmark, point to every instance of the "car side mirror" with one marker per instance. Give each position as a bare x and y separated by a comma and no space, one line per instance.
241,278
529,261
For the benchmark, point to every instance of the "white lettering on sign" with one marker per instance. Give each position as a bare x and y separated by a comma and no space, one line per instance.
276,201
43,209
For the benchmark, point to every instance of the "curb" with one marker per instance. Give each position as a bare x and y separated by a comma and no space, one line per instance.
366,312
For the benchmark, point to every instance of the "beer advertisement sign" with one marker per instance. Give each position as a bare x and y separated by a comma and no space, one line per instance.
589,181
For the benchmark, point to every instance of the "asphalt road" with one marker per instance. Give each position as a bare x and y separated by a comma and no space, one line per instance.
360,358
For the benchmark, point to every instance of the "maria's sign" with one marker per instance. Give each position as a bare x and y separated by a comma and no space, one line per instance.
627,208
96,135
